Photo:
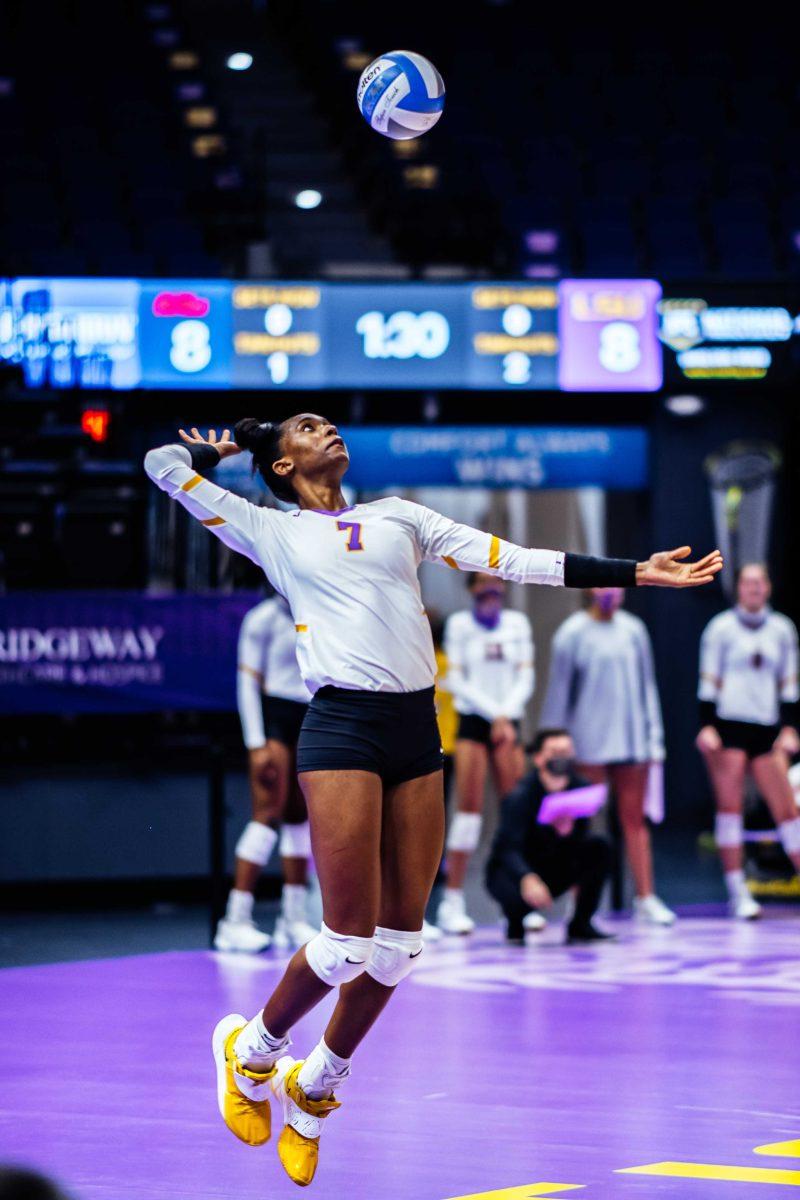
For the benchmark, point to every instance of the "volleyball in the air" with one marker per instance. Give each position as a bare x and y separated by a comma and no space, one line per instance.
401,94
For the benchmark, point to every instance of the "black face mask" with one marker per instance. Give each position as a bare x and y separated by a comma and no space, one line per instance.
559,766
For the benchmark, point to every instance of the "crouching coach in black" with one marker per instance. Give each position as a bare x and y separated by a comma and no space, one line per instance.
531,863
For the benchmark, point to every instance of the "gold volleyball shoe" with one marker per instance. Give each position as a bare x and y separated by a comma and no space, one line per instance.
242,1094
298,1145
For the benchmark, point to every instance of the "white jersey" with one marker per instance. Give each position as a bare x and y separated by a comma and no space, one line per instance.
748,665
602,688
350,577
490,671
267,663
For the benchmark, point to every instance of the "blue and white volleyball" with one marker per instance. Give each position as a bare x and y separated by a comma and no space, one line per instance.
401,94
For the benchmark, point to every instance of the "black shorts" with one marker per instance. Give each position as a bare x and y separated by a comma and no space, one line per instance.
282,719
392,734
754,739
472,728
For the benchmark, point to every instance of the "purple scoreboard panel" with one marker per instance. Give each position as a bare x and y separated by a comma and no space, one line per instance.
608,332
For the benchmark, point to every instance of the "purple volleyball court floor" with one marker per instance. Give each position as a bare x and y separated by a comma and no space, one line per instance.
664,1065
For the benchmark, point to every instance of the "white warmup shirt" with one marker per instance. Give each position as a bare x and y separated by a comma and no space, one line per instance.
748,665
602,689
267,663
350,577
490,671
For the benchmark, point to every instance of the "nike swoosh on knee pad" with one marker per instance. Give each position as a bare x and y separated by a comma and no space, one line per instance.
355,961
417,954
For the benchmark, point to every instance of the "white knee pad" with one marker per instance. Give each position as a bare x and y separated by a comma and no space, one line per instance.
296,841
728,830
394,953
256,843
465,832
337,957
789,833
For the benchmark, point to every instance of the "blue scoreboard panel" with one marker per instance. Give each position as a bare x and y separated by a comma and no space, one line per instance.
175,333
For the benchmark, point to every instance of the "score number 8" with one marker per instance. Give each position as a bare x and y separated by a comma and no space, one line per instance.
620,347
190,350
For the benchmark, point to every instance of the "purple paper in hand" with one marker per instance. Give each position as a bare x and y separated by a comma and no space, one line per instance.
575,803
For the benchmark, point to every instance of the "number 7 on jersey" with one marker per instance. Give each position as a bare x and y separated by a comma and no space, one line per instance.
353,531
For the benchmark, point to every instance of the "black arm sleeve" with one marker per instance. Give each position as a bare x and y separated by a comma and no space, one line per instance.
789,713
204,457
584,571
708,713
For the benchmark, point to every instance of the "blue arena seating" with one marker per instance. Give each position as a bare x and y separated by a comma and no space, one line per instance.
565,146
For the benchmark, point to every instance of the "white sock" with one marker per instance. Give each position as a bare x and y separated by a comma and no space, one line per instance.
454,897
256,1048
293,904
322,1072
240,906
734,882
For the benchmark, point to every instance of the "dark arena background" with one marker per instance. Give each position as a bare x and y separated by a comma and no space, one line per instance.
565,316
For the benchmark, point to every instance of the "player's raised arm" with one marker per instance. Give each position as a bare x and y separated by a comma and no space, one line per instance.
471,549
176,470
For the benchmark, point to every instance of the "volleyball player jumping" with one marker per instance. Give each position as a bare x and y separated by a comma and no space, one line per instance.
369,756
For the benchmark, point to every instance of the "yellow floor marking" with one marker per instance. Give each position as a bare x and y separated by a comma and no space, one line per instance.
780,1149
522,1193
688,1170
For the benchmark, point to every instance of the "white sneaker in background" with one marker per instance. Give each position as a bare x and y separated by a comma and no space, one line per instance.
534,922
649,910
289,935
451,915
743,907
430,933
242,936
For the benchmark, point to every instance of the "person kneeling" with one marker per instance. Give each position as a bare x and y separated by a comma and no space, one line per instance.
531,862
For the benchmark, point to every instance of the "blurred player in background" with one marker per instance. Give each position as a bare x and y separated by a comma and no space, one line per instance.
489,652
272,701
748,715
602,688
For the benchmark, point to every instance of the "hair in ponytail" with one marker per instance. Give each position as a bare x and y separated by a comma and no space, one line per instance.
263,440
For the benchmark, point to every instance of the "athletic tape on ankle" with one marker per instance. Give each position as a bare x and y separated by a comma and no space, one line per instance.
337,957
465,832
728,830
394,954
256,843
789,833
295,841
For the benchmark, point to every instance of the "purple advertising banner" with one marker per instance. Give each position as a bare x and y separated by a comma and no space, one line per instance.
608,330
84,652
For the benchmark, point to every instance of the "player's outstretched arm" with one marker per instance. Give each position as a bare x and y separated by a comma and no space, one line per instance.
666,568
472,550
175,470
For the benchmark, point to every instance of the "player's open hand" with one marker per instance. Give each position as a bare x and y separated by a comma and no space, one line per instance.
225,446
666,569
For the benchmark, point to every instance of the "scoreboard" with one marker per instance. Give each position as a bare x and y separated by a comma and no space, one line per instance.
730,333
574,335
